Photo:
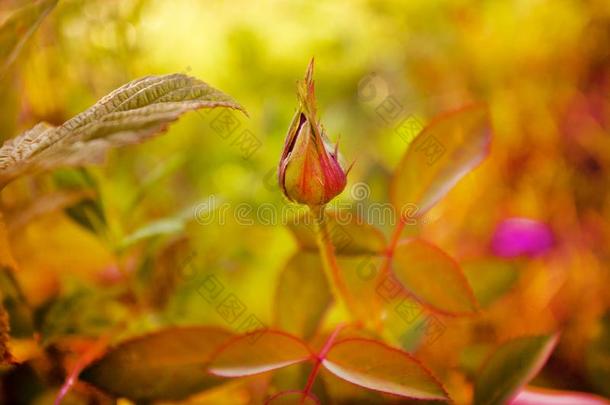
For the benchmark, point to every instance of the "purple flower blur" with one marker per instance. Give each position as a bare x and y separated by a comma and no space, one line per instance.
521,237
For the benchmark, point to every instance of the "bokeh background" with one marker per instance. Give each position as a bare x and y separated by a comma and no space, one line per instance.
543,67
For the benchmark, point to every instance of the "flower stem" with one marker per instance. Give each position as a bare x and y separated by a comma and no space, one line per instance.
333,272
318,361
389,253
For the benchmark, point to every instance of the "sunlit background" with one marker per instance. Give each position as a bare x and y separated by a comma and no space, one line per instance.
383,68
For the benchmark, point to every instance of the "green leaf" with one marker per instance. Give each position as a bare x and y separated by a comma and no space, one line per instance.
349,234
433,277
18,27
302,295
490,279
258,352
82,311
89,211
164,226
375,366
166,365
129,115
443,153
510,367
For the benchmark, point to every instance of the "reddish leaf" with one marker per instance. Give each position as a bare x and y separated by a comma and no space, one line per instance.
258,352
374,365
433,277
539,396
169,364
443,153
510,367
291,398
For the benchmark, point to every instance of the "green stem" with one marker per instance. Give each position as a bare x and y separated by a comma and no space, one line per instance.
333,272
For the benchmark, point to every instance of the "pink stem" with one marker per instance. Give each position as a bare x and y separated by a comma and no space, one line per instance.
318,361
90,354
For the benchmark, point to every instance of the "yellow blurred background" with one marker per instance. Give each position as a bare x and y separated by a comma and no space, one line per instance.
543,67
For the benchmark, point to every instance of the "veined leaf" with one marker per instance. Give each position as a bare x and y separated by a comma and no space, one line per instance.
17,28
258,352
510,367
302,295
443,153
374,365
349,234
166,365
433,277
129,115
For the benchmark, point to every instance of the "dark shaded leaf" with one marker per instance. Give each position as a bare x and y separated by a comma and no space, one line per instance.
166,365
15,304
88,212
510,367
598,357
5,355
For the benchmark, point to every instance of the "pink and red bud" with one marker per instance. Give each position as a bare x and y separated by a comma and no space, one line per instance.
309,170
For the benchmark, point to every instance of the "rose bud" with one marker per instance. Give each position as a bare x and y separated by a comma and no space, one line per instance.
309,171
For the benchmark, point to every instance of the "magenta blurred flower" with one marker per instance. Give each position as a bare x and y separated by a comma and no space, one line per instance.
521,237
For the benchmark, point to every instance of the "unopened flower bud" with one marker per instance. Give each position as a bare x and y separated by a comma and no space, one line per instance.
309,171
